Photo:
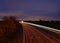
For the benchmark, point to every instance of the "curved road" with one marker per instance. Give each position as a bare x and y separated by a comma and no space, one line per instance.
33,34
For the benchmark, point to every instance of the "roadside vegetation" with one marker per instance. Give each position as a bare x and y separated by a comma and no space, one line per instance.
9,29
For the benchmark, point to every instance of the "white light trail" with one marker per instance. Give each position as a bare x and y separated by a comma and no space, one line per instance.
45,27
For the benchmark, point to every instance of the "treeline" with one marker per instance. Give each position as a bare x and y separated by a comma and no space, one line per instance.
53,24
9,29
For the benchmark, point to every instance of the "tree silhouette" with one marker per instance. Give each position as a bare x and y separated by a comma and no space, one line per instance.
8,29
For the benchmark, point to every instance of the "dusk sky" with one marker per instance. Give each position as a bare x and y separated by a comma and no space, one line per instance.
31,9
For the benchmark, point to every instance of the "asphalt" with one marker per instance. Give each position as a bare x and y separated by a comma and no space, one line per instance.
38,35
32,34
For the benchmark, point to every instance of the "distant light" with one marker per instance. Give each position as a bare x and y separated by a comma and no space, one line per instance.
21,22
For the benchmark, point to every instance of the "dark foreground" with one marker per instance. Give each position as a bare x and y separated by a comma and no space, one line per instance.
23,33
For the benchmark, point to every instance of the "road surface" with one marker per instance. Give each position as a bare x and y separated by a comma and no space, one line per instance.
33,34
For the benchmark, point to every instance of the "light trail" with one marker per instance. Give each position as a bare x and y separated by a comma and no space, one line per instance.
24,37
43,35
45,27
38,34
28,37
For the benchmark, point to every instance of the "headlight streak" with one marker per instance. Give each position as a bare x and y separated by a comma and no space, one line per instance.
45,27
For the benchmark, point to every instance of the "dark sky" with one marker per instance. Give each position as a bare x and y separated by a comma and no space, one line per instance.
31,9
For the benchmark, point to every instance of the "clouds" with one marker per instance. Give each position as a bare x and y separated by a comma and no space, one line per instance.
34,18
28,8
15,13
44,5
41,8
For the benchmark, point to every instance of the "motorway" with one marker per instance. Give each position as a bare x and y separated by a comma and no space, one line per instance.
34,34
